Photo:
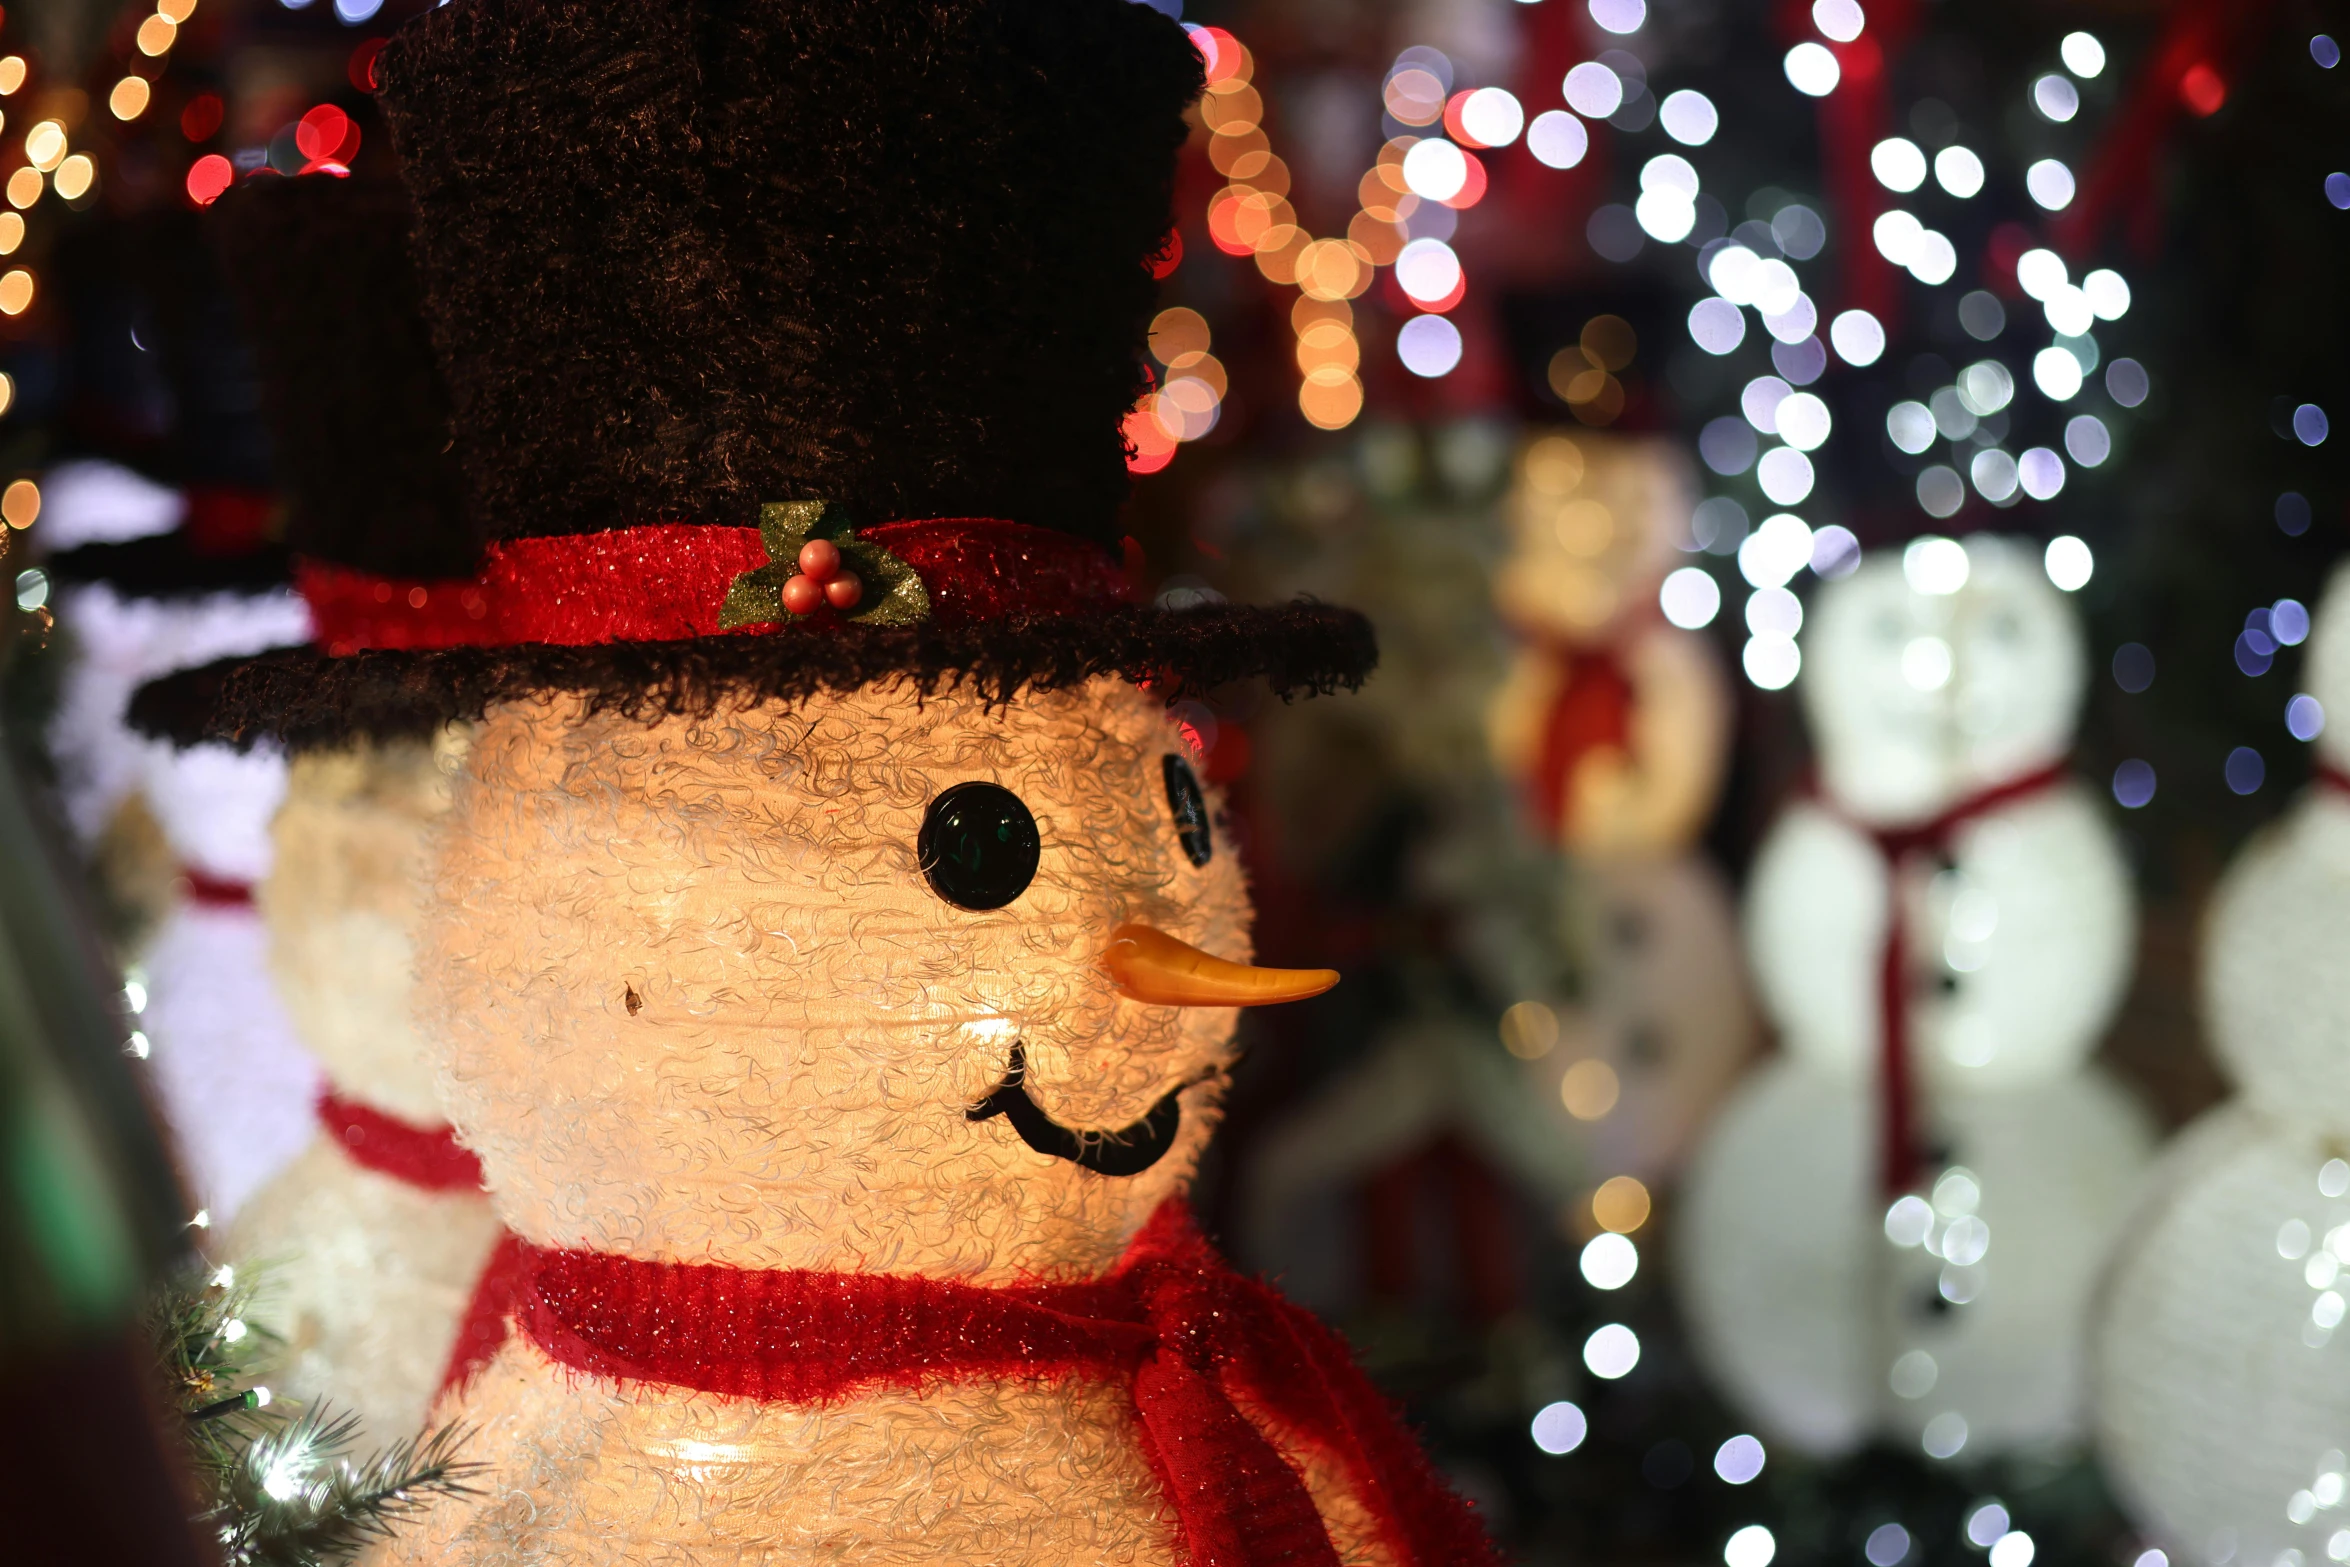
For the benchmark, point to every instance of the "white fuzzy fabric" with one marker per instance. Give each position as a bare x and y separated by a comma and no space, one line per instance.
235,1085
91,501
2218,1402
117,643
2023,1004
1800,1306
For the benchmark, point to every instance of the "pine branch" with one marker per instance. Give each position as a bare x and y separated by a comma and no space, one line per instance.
295,1500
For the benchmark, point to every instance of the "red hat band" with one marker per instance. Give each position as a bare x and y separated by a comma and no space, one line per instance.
669,582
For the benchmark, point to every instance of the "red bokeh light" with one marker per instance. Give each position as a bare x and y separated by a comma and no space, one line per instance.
208,176
1472,189
2203,89
326,134
201,117
362,66
1453,125
1219,49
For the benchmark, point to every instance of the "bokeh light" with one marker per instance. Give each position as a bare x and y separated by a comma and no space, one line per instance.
1842,20
1958,171
20,504
1621,1204
2068,562
1592,90
1559,1428
2082,54
1689,117
1752,1546
1690,598
1739,1461
1558,139
2305,717
129,98
1812,70
1899,164
1609,1261
1612,1351
2050,183
1429,346
1771,663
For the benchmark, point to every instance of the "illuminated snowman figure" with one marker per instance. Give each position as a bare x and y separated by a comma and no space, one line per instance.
1613,724
2220,1372
1895,1226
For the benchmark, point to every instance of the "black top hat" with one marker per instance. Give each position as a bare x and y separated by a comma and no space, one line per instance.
358,414
716,280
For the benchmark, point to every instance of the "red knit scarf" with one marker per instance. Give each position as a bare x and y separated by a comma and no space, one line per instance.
425,1157
1591,711
1899,1156
1172,1322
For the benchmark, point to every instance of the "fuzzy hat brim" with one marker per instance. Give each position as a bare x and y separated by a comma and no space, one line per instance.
304,699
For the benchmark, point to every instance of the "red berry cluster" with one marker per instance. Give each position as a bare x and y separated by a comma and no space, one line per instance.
821,580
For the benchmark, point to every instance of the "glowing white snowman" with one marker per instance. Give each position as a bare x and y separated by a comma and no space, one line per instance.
2220,1373
1863,1257
1614,726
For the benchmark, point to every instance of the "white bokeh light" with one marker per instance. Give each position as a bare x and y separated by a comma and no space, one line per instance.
1772,554
1612,1351
1799,320
1716,325
1812,70
1619,16
1910,426
1897,234
2068,311
1429,346
1936,260
1610,1260
1842,20
2068,562
1994,475
2012,1549
1958,171
1858,337
1751,1546
1804,422
2087,440
1934,565
1689,117
1739,1460
1559,1428
1427,269
2057,373
2082,54
1771,663
1557,139
1690,598
1492,116
1773,612
1899,164
2040,273
1785,475
2041,472
1592,90
1760,399
2108,293
2050,184
2056,98
1435,169
1665,214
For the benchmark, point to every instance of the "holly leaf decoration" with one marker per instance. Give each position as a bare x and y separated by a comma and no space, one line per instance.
894,595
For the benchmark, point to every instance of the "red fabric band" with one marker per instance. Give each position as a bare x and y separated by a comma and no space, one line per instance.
1591,712
1899,1157
426,1157
1172,1322
666,582
2331,777
215,892
222,520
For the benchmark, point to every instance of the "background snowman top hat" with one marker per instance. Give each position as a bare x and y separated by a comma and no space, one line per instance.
356,407
709,281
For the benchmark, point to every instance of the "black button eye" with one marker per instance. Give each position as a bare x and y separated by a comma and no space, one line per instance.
1190,810
978,847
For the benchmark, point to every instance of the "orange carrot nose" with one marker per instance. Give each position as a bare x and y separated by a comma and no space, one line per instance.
1152,966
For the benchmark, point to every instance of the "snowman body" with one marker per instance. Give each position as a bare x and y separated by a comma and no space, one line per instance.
1948,881
234,1084
2221,1372
694,1002
370,1261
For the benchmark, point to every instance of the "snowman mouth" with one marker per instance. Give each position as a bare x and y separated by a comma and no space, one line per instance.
1127,1150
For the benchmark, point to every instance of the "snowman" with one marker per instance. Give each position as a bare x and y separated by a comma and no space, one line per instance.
831,952
1894,1226
374,1237
1614,725
149,578
2218,1390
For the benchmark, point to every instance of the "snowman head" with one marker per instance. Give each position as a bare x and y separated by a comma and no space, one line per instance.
1939,671
1592,522
870,981
341,903
2328,665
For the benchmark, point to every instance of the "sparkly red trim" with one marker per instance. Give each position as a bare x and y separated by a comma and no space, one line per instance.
426,1157
1194,1341
215,892
666,582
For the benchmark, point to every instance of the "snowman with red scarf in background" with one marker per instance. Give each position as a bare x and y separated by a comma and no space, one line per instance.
2222,1367
1894,1228
1613,727
832,954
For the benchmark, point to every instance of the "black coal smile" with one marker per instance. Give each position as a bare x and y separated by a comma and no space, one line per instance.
1129,1150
